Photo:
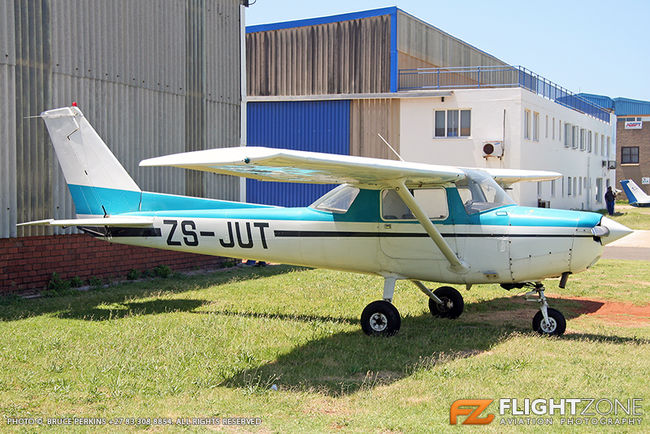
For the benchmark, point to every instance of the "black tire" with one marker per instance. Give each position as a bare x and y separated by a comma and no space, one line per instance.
380,318
453,303
557,326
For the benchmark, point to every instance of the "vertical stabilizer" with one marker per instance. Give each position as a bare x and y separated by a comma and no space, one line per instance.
97,181
634,194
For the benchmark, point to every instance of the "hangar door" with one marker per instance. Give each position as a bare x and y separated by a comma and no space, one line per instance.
315,126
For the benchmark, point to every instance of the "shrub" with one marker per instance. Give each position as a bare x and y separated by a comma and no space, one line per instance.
162,271
133,274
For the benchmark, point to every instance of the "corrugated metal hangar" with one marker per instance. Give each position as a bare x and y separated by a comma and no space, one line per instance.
152,78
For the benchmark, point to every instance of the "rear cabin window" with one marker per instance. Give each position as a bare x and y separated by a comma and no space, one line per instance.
338,200
432,200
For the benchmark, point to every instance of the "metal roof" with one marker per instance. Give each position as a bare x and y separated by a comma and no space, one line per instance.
620,106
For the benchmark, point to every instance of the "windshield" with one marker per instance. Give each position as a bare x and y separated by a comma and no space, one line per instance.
338,200
480,192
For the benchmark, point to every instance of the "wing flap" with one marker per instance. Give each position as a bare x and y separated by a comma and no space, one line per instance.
106,221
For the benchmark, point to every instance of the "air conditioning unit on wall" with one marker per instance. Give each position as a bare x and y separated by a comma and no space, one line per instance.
493,148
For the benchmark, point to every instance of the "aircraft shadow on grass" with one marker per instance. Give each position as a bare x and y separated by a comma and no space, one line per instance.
84,305
347,362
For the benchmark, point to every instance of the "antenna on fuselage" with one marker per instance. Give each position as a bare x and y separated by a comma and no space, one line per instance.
390,147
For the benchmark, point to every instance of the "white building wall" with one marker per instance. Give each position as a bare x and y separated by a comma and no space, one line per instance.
498,114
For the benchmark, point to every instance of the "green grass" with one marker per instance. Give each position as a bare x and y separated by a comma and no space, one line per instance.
213,345
632,217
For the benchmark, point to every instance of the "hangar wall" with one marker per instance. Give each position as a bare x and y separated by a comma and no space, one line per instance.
152,80
152,77
350,56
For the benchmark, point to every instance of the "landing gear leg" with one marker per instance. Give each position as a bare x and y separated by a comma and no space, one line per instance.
444,302
381,318
547,321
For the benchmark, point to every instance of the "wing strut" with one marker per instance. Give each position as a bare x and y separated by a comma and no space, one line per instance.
457,265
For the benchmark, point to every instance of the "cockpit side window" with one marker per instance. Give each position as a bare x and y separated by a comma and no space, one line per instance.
337,200
432,200
480,192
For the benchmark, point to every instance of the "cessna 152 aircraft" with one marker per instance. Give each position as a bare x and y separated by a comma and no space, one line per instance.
635,195
396,219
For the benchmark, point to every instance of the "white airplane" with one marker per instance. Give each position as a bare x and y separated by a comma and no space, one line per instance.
395,219
635,195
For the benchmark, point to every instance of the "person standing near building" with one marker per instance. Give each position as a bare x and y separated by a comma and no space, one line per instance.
610,199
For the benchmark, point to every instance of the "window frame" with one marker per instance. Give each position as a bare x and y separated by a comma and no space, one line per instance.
381,205
446,125
527,124
630,162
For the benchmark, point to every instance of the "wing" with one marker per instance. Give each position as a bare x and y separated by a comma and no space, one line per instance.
507,177
107,221
268,164
285,165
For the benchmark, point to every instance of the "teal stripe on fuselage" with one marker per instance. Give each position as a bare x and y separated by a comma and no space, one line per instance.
89,200
365,209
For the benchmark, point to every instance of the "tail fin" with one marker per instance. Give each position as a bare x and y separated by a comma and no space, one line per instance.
634,193
97,181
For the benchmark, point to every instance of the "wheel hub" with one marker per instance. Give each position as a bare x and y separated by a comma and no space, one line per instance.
548,326
378,322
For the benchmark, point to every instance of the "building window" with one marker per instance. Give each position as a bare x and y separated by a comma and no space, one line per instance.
559,130
448,124
465,123
553,129
580,182
630,155
567,135
553,186
589,144
602,145
582,139
562,183
574,137
539,189
599,189
536,126
546,135
575,185
568,186
609,147
596,143
440,123
527,124
452,123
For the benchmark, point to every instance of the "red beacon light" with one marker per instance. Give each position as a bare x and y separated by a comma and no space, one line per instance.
74,103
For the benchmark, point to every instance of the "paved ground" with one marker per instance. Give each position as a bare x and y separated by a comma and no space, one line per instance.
635,246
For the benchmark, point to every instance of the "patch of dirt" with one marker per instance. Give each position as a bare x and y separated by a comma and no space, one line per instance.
616,312
613,312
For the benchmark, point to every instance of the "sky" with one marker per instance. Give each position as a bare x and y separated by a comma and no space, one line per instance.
597,46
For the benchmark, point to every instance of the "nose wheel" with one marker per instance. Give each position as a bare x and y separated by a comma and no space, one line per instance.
548,321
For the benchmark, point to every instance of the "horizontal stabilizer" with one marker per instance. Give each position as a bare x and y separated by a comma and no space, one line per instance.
106,221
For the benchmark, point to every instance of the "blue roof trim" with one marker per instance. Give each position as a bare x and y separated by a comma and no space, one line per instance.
394,67
326,20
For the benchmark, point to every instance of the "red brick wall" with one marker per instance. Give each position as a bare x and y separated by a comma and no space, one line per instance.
640,138
28,262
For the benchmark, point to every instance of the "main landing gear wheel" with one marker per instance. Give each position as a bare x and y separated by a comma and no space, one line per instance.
452,303
556,324
380,318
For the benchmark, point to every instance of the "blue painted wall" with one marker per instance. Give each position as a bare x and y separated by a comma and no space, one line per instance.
316,126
